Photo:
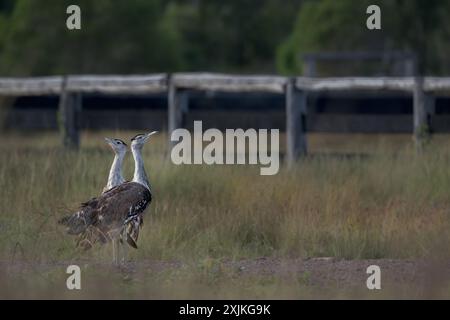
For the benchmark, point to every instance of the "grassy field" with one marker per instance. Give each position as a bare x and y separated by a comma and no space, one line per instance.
355,197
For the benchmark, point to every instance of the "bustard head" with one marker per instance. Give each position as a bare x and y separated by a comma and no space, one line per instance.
117,145
138,140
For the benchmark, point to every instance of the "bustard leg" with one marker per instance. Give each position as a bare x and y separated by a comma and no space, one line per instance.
115,246
124,245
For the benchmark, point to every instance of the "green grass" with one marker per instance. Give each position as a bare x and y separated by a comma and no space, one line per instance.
390,204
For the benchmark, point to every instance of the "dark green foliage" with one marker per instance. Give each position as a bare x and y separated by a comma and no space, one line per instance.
142,36
115,38
246,36
407,25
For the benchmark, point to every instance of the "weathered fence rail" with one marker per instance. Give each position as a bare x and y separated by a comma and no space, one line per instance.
177,86
31,86
83,84
355,84
229,83
118,84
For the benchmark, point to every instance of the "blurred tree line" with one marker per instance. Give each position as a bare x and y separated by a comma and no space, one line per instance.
141,36
144,36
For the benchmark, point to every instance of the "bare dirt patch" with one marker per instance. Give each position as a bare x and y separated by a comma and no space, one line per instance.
264,277
330,271
314,271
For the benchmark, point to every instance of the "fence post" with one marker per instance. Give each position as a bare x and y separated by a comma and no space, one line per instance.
69,108
421,114
295,122
78,105
175,101
183,105
410,67
309,67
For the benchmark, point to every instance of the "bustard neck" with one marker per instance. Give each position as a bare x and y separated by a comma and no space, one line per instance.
115,173
140,176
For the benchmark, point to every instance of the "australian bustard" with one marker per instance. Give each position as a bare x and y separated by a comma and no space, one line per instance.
140,176
115,178
106,217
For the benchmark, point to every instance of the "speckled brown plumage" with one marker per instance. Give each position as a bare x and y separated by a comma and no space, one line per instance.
103,218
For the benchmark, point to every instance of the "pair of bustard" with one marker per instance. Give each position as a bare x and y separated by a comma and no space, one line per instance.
116,215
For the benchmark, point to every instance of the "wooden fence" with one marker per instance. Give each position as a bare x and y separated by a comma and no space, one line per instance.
177,86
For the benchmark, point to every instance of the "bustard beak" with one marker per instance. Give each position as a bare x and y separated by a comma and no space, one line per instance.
108,140
150,134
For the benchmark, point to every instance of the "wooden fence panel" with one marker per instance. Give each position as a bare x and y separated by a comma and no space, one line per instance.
177,86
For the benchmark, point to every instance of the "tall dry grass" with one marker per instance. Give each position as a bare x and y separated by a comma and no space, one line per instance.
354,197
390,203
